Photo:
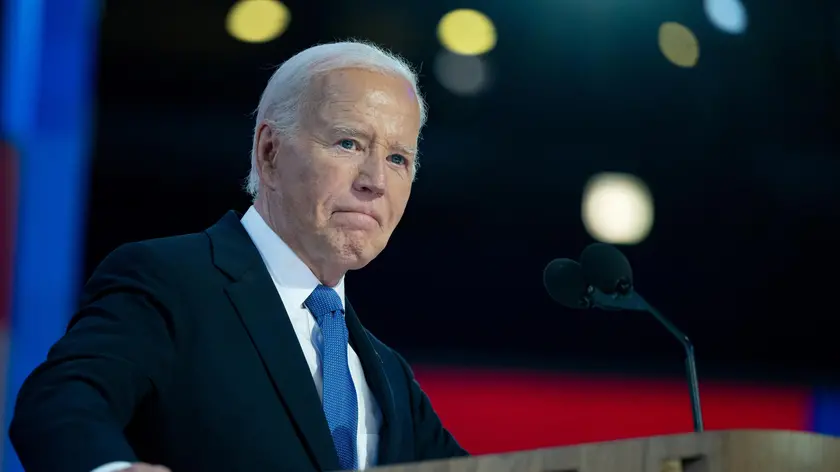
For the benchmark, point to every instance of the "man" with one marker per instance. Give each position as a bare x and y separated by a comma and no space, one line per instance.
198,352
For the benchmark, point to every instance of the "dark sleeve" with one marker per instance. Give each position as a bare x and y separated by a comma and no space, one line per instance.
71,411
431,439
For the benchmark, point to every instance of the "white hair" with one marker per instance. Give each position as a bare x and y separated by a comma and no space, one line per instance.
282,99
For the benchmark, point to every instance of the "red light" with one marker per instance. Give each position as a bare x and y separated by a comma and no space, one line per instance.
500,411
8,225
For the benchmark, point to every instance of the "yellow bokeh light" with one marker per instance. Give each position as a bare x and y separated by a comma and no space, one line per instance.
257,21
466,32
678,44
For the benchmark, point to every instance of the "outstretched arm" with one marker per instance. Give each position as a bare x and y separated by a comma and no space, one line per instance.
72,410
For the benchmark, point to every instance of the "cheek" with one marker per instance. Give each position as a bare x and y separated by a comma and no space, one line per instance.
335,179
300,196
326,188
398,202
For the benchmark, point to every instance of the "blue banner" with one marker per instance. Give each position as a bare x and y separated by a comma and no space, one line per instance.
48,86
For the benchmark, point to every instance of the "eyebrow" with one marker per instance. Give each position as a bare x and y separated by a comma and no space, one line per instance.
356,132
349,131
410,150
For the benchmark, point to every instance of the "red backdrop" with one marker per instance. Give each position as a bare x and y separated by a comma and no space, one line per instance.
8,209
499,411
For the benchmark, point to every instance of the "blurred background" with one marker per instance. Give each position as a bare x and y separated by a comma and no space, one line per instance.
702,137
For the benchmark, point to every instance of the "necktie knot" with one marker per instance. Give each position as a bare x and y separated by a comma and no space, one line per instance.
323,301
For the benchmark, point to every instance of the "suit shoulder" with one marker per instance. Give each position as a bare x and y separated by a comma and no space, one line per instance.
168,247
150,252
157,262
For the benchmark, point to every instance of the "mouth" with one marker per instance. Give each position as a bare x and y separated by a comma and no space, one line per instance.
359,218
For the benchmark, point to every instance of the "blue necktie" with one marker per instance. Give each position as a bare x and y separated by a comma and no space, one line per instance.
340,403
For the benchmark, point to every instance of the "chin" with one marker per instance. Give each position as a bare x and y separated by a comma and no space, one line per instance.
358,255
353,260
355,248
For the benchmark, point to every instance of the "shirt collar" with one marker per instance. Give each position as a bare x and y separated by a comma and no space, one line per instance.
293,278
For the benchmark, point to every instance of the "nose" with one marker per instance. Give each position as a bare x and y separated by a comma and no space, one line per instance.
371,178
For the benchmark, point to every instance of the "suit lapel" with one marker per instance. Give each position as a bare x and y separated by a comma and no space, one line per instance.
261,310
377,380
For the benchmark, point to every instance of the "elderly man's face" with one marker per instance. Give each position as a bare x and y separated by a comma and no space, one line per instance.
339,187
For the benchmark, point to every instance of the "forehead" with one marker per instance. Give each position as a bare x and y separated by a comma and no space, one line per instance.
366,98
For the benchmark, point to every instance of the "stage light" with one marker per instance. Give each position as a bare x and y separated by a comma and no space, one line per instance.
729,16
678,44
257,21
617,208
461,75
467,32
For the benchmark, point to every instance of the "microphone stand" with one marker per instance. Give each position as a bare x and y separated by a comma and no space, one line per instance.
628,299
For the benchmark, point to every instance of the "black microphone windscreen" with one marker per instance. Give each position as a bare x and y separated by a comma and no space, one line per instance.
606,268
563,279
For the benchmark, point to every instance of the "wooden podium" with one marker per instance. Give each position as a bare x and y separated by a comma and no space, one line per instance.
718,451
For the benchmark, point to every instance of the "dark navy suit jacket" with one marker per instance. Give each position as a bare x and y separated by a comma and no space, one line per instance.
182,355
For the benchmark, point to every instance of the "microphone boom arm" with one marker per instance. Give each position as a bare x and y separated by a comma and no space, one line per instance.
631,300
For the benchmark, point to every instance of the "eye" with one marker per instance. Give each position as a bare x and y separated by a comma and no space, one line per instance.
348,144
398,159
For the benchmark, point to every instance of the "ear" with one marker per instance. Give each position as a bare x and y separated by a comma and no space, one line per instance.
266,143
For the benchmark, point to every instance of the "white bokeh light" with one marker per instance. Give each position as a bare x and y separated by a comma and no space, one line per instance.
617,208
730,16
461,75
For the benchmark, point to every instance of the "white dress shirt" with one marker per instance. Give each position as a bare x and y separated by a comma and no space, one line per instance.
295,282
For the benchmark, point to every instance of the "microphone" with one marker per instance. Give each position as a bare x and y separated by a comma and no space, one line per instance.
610,286
565,283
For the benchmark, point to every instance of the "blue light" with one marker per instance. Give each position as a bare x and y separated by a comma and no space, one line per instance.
49,48
729,16
827,411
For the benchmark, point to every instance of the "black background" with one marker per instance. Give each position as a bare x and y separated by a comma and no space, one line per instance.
740,153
